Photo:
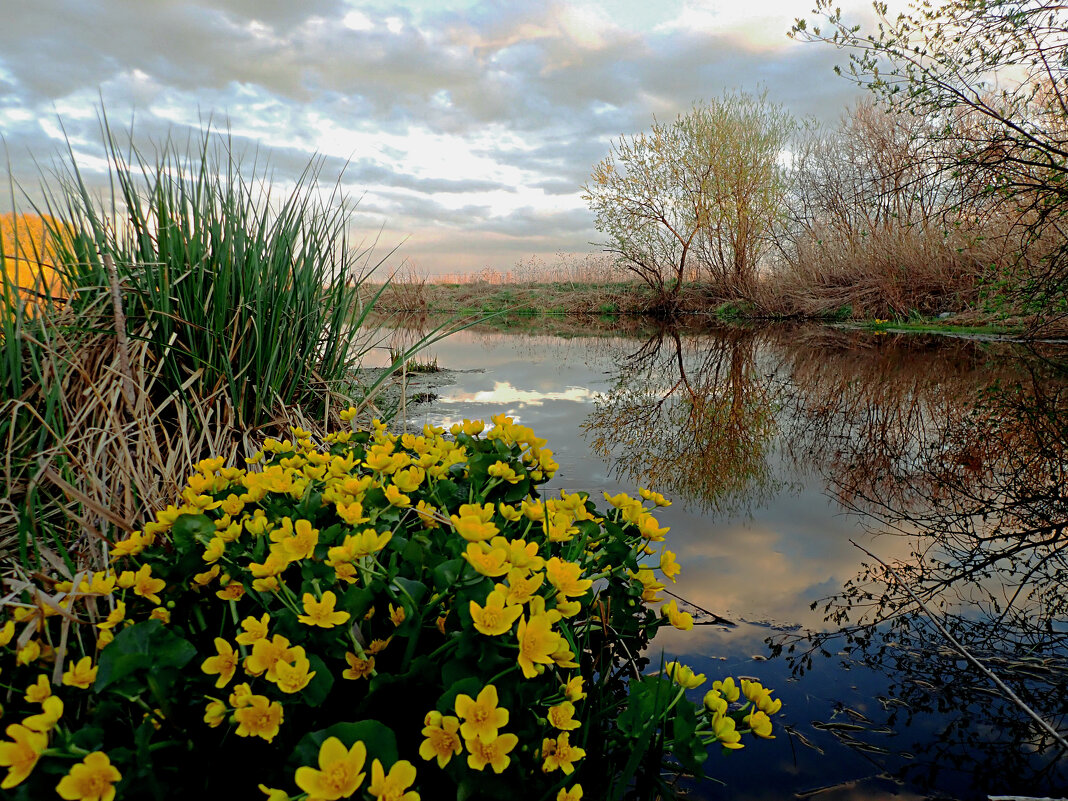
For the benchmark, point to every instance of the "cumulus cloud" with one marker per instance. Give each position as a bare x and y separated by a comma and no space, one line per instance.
471,125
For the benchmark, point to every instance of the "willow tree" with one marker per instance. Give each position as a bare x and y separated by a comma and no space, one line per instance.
701,192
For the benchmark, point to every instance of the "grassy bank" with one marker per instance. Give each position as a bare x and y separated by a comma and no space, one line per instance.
517,305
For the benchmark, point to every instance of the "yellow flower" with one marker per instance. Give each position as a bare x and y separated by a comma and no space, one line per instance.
574,794
233,591
715,703
494,754
214,550
92,779
397,614
504,471
80,674
562,715
760,723
441,741
272,793
52,711
366,543
339,774
473,528
568,608
28,653
650,530
723,729
205,578
146,586
395,497
39,690
427,514
21,754
668,566
573,689
302,544
293,677
7,632
655,497
254,629
727,688
487,561
680,620
394,785
321,613
565,577
224,663
358,668
521,585
215,713
757,693
509,512
495,618
265,655
409,480
684,676
481,717
559,753
537,642
260,718
241,696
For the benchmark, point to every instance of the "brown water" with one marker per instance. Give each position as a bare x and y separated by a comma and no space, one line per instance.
787,451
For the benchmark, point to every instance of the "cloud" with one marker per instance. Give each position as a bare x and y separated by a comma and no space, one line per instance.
482,119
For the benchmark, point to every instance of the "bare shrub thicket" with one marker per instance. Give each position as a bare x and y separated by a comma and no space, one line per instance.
877,222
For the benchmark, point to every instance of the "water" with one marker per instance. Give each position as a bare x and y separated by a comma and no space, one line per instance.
787,452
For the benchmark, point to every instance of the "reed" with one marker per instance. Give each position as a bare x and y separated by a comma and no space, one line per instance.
191,311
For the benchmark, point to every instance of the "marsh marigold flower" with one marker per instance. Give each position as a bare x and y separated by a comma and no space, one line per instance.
487,561
265,655
20,755
573,689
760,723
223,664
92,779
260,718
39,690
80,674
214,713
494,754
725,732
562,715
537,643
574,794
684,676
321,613
253,629
51,712
339,774
482,717
494,618
146,586
560,754
394,785
442,740
565,577
680,620
358,668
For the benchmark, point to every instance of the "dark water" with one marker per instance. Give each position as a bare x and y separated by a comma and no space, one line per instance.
943,458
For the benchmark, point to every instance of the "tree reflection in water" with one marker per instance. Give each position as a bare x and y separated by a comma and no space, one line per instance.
962,447
691,417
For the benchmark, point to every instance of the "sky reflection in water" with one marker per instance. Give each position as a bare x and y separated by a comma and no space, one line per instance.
778,447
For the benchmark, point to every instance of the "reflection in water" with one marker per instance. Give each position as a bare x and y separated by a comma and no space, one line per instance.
971,467
690,418
960,447
946,458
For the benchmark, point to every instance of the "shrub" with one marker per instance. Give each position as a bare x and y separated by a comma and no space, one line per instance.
360,617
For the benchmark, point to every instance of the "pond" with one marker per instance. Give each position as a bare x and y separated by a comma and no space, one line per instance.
838,495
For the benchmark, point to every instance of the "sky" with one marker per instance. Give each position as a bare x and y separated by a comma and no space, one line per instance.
464,129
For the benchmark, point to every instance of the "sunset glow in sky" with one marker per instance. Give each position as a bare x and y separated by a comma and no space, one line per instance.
468,127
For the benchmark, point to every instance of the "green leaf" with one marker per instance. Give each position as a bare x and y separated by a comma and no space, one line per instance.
146,646
320,685
187,527
446,574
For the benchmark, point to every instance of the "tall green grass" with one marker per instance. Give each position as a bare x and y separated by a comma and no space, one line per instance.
197,308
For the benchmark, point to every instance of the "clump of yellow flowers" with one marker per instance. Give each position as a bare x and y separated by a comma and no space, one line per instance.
370,615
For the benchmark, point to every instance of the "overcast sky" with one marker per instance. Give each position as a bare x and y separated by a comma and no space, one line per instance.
468,127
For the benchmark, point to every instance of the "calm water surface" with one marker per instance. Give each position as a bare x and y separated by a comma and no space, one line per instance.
781,448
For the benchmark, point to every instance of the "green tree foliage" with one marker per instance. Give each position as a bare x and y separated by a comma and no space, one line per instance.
702,192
